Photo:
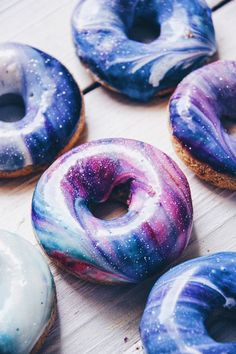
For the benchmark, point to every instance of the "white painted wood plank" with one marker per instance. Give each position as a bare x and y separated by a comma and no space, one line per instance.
92,318
213,3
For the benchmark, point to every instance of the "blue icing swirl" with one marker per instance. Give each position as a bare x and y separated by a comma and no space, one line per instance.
142,70
53,107
182,300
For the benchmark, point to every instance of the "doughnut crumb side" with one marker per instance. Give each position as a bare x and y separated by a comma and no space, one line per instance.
202,170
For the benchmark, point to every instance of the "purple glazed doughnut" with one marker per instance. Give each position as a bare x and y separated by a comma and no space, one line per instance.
130,248
197,109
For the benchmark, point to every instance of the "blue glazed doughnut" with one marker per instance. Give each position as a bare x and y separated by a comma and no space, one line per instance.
27,298
197,108
53,116
128,249
183,299
101,31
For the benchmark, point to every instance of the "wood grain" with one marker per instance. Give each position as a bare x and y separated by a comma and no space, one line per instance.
92,318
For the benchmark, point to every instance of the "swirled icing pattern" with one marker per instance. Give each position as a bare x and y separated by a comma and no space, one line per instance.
130,248
27,295
196,109
181,301
52,107
141,70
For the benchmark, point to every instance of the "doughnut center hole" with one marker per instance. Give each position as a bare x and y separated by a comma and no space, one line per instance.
221,326
144,30
12,108
115,206
229,125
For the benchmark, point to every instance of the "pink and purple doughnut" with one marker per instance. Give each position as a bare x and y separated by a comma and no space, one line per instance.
130,248
202,102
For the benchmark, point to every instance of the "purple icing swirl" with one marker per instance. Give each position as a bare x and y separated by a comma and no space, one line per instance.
130,248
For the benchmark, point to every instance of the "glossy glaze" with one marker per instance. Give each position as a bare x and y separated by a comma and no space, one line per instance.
196,109
52,107
27,296
142,70
181,301
130,248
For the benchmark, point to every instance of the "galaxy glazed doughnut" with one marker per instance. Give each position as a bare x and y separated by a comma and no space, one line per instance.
28,298
197,108
102,36
54,114
183,299
130,248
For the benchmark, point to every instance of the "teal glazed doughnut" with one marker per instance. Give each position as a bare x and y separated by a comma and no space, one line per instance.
183,299
27,297
53,109
101,32
127,249
197,107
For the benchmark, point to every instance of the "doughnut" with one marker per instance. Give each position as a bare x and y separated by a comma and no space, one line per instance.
197,109
28,297
183,299
102,34
127,249
53,105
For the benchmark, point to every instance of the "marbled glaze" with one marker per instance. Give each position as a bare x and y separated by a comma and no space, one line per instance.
27,296
130,248
142,70
183,299
52,104
196,109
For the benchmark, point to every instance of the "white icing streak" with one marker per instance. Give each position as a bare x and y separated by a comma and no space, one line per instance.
168,307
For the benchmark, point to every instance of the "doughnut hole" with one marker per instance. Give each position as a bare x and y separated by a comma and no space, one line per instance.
227,104
144,30
12,108
221,325
229,124
103,183
115,206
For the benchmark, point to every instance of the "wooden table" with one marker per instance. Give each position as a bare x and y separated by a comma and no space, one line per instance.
92,318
